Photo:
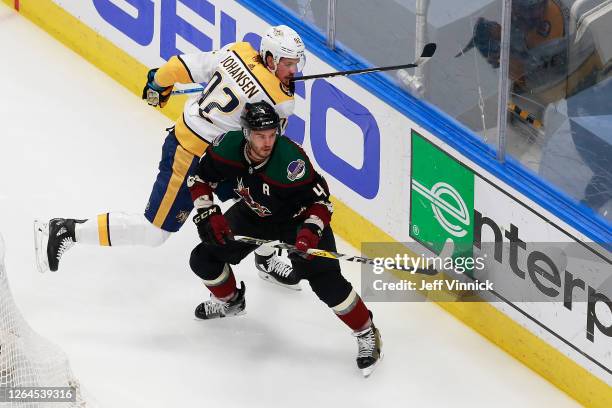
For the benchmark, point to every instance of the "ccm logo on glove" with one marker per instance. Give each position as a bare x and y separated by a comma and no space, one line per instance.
212,225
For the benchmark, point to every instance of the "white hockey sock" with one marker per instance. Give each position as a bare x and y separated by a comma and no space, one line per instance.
87,232
118,229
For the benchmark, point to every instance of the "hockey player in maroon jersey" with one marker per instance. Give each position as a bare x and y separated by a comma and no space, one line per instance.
283,198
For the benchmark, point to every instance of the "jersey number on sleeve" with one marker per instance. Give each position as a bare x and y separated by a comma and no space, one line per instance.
207,106
319,190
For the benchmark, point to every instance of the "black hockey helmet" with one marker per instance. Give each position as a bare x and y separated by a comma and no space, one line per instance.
259,116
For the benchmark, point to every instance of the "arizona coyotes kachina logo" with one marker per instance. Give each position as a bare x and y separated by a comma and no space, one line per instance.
244,192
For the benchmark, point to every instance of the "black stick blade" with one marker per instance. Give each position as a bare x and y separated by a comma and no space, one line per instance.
428,50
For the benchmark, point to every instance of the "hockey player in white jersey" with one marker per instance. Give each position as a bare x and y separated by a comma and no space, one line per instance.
236,75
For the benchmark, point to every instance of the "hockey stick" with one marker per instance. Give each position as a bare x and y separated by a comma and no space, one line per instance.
428,52
187,91
325,254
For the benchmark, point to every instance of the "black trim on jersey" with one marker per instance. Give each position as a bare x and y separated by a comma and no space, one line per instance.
108,228
255,78
215,156
194,132
186,67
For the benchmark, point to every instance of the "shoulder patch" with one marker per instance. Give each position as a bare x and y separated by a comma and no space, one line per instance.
218,139
289,165
296,169
228,146
247,55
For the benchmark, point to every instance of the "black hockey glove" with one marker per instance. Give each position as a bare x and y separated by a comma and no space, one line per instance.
212,225
154,94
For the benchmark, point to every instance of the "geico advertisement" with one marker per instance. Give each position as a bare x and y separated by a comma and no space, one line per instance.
540,271
346,130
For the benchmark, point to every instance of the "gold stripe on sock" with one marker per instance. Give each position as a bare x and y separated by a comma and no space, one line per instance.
103,229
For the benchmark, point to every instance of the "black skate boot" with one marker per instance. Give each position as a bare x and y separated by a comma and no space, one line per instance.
51,240
273,269
215,308
370,349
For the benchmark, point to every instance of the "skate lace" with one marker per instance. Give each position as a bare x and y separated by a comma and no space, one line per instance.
366,343
65,245
279,267
212,307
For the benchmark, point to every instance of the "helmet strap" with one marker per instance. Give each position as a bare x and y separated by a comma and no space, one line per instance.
247,135
273,61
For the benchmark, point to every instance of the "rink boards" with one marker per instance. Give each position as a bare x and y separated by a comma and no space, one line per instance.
364,147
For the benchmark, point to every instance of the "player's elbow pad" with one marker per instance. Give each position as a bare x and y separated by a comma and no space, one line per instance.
201,192
320,212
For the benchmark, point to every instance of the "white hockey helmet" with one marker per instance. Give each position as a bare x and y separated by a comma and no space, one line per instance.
282,42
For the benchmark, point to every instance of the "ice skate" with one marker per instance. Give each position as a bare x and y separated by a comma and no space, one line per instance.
215,308
51,240
370,353
272,269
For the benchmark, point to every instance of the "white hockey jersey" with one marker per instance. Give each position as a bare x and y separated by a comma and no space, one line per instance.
235,76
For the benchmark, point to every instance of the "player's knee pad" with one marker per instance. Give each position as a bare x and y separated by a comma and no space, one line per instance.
203,265
330,286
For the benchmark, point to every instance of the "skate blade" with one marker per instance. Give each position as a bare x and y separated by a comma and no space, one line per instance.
243,312
41,238
369,370
265,276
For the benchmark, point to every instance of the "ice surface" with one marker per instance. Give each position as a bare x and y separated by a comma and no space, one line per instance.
75,143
